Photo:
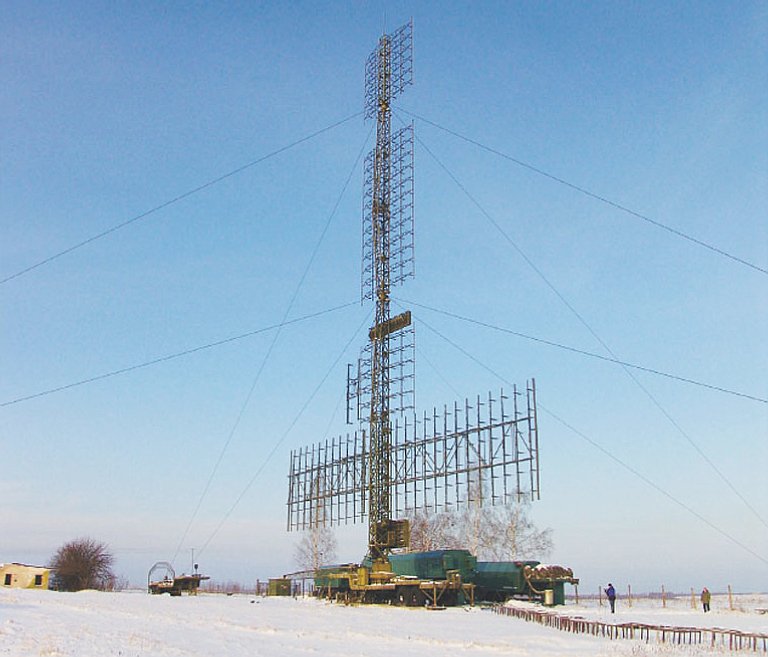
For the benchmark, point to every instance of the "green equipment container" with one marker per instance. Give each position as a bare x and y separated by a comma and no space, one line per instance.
334,577
279,586
558,591
503,576
435,564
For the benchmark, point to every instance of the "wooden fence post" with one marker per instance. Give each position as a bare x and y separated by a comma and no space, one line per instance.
663,597
693,599
730,598
629,595
600,595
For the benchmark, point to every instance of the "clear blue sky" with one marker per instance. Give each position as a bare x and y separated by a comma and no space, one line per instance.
108,110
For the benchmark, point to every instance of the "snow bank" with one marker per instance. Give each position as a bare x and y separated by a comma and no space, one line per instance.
134,624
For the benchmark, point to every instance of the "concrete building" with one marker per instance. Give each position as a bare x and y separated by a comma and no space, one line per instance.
22,576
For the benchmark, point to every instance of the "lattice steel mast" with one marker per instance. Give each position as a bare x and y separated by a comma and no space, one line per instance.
380,89
396,463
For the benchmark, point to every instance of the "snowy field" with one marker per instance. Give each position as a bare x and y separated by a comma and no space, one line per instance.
132,624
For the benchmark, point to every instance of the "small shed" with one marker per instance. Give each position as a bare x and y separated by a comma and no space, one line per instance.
279,586
24,576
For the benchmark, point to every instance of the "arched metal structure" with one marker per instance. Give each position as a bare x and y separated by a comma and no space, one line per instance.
170,573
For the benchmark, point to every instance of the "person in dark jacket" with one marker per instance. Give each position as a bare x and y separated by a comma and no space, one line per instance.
610,593
706,597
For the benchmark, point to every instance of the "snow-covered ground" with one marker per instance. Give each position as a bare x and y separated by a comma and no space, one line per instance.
133,624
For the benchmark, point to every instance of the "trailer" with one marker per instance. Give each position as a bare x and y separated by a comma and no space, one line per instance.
380,583
172,584
442,578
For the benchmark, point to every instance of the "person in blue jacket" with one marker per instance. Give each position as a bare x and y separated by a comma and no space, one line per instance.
610,593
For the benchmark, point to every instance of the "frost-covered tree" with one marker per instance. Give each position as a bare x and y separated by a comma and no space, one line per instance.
432,531
316,548
83,564
507,533
494,533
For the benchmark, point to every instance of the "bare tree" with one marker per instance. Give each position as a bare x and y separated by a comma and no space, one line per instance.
117,583
83,564
316,548
497,533
507,533
432,531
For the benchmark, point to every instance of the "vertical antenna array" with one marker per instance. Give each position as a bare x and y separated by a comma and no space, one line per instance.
486,451
387,248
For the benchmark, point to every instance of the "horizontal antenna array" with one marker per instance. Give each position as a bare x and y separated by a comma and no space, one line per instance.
485,452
